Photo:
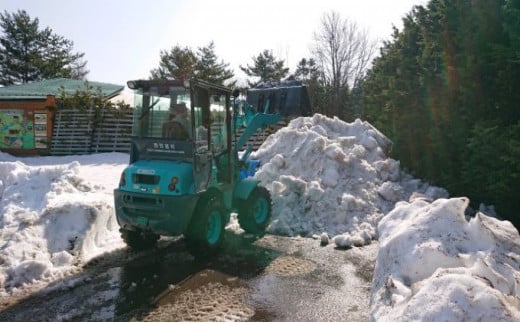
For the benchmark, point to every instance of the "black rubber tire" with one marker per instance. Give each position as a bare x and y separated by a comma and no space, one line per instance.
255,212
200,241
137,240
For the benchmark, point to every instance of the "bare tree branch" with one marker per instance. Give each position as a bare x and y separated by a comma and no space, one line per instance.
342,50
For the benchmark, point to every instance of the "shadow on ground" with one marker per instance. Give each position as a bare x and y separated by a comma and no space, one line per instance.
270,278
125,285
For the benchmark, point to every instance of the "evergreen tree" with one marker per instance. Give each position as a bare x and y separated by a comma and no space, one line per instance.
58,59
491,172
209,69
266,67
29,54
178,63
183,63
308,72
445,91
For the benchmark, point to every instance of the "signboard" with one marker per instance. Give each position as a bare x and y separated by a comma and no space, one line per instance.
16,131
40,130
19,130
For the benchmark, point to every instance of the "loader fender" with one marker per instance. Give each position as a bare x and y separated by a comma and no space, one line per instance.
244,188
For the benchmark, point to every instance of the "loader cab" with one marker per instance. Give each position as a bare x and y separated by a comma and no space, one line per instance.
183,122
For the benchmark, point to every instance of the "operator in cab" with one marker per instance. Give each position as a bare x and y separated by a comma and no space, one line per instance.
179,126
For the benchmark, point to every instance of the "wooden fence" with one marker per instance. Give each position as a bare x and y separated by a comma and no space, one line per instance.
89,131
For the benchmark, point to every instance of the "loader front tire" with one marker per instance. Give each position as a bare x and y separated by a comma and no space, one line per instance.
254,213
206,230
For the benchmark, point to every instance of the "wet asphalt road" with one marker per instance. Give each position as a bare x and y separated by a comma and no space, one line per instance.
272,278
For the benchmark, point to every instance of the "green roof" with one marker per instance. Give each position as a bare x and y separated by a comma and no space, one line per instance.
40,90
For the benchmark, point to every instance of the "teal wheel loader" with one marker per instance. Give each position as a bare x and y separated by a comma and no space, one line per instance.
185,176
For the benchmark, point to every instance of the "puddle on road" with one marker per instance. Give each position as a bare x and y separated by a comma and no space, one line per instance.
211,295
269,279
246,281
222,290
192,289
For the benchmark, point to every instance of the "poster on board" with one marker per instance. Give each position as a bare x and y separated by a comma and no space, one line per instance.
16,131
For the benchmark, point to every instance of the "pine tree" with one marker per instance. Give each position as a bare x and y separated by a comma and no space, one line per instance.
266,67
445,91
178,63
308,72
58,60
29,54
183,63
209,69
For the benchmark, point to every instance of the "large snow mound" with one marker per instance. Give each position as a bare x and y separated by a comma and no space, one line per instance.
431,258
329,177
54,217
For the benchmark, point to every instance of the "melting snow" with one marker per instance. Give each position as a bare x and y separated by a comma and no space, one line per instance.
328,178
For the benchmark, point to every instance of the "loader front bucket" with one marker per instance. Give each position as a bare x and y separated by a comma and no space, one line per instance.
288,98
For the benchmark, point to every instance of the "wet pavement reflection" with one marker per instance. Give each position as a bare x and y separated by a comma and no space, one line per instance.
268,278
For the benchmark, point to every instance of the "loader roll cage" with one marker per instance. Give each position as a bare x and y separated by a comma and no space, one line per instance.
206,125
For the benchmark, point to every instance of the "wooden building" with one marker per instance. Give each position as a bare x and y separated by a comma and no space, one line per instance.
27,112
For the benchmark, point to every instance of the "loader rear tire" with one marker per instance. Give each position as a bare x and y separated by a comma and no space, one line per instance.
254,213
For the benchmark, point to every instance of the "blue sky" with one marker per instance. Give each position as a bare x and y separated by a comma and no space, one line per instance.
122,39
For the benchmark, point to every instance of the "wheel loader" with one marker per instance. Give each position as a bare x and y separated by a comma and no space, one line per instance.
185,176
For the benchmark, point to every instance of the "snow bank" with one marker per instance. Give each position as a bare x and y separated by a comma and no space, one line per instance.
430,258
332,178
56,214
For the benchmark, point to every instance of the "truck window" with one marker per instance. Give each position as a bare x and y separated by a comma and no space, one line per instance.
218,124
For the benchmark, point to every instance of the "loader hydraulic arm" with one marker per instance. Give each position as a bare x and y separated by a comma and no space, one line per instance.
259,121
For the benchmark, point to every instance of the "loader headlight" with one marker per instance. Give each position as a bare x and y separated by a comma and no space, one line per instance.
173,183
122,180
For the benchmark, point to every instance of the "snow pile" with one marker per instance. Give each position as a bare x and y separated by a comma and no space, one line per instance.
53,217
433,265
332,178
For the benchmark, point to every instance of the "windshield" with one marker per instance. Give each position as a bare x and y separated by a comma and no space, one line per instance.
162,114
172,122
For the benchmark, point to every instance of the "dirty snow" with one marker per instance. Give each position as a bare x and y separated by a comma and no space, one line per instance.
434,265
332,178
57,213
329,180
